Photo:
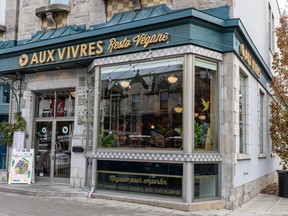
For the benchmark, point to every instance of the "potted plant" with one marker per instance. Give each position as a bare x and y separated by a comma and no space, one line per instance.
279,105
198,135
109,140
8,129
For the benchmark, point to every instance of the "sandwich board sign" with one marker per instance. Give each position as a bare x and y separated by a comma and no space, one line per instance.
21,166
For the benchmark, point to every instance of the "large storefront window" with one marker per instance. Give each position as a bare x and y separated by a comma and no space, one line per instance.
205,94
141,105
141,177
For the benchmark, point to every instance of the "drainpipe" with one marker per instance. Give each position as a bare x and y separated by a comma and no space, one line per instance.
95,128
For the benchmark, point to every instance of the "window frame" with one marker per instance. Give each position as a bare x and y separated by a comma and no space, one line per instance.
262,123
243,113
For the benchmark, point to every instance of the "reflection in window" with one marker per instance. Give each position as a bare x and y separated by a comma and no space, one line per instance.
136,102
206,181
165,178
164,100
204,116
135,111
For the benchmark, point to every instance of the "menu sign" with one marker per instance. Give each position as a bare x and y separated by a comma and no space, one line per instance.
21,167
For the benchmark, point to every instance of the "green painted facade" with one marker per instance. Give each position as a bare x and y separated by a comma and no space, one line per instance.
184,27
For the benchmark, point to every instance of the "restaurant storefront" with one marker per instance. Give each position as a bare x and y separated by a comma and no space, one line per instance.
133,106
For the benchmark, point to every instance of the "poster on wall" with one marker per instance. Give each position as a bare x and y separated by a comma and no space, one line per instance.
21,167
18,140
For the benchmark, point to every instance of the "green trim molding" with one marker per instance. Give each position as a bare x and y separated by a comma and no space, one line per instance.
128,32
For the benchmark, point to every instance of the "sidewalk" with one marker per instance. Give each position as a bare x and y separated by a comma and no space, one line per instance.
43,189
259,206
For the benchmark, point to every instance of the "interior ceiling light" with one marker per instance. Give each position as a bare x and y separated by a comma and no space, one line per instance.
124,83
172,79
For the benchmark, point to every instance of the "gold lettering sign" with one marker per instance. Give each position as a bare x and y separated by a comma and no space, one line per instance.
90,49
249,60
145,40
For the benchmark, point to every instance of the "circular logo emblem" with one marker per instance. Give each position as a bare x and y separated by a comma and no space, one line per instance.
24,60
65,130
44,130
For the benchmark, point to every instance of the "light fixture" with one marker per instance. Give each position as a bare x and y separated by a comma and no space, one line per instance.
178,109
73,94
172,79
202,116
124,83
152,126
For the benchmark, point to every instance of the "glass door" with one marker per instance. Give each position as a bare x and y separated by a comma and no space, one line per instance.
62,149
54,128
43,148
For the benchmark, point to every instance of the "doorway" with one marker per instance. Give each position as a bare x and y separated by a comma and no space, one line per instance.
54,125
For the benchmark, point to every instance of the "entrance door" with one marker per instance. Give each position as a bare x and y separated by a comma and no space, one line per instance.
53,155
62,149
54,128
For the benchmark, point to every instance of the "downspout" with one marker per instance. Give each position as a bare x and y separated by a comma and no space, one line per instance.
95,128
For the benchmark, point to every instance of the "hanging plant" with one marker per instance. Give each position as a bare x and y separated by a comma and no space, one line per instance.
8,129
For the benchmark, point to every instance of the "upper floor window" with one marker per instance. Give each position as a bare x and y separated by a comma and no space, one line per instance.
66,2
2,12
271,30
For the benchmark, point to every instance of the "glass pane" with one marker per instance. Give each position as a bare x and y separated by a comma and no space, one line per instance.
205,181
65,104
44,104
141,105
66,2
138,177
6,94
204,116
62,161
42,148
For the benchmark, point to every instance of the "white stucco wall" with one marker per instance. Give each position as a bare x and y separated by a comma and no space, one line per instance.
254,166
255,17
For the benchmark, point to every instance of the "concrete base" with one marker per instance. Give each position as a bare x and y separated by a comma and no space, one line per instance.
165,203
3,176
244,193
